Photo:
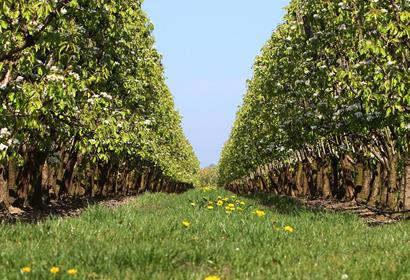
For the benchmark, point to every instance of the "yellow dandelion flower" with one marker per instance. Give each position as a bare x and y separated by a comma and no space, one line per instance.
233,196
260,213
72,271
228,212
225,199
55,270
25,269
242,203
212,277
186,223
289,229
193,204
231,205
219,197
210,207
220,203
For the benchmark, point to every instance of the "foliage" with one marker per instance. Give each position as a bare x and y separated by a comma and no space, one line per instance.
331,81
81,81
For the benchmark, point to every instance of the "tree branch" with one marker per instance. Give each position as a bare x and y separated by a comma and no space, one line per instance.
31,40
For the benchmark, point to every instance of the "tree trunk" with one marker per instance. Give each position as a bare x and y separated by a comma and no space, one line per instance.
327,192
376,185
392,195
4,190
68,173
12,174
407,184
299,179
363,196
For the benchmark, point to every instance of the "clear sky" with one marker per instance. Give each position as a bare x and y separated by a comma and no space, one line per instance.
208,50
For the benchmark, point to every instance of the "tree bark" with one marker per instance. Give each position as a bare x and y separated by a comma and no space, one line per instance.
407,184
376,185
4,190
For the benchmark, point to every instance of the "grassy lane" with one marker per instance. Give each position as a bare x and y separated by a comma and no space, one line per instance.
160,236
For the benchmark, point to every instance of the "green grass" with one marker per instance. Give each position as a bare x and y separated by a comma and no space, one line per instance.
145,239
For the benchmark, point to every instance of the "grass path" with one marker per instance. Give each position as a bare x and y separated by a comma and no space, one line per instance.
146,239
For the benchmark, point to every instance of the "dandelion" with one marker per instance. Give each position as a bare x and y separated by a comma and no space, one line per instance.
26,269
242,203
220,203
225,199
289,229
231,205
55,270
193,204
186,223
212,277
72,271
228,212
210,207
260,213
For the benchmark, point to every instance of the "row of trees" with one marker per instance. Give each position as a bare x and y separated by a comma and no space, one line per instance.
208,176
84,109
327,112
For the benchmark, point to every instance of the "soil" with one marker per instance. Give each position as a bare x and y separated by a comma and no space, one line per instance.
372,216
66,208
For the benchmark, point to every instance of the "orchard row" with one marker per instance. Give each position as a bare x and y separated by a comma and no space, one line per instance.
327,112
84,109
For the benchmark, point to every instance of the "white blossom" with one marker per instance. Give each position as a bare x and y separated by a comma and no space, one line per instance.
3,147
4,132
53,77
106,95
358,115
342,27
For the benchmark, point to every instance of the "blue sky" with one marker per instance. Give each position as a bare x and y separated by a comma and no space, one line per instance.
208,50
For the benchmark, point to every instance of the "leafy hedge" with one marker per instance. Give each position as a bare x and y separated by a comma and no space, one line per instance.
84,106
327,112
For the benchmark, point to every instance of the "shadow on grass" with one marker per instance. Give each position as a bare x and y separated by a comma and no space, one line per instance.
282,204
